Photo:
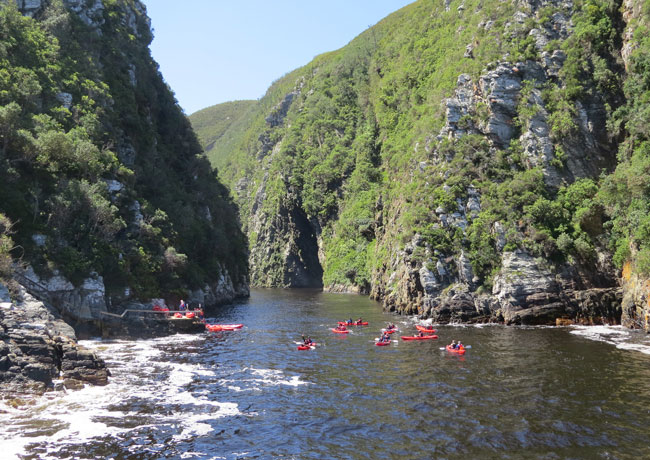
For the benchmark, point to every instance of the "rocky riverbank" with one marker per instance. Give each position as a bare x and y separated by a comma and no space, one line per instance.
37,347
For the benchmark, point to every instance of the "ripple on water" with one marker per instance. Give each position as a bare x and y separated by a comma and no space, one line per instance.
518,393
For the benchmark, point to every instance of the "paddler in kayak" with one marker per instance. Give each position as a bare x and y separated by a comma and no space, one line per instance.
350,322
359,321
341,327
384,337
456,345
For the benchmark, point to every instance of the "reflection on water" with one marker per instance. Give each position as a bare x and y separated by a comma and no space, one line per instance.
538,393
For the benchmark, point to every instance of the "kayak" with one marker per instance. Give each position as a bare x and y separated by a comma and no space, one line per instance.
382,344
222,327
460,351
424,329
340,332
307,347
190,315
389,331
178,315
426,337
363,323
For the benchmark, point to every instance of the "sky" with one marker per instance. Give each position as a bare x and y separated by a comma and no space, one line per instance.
213,51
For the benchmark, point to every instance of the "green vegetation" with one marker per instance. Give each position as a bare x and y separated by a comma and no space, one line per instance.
80,112
357,151
213,123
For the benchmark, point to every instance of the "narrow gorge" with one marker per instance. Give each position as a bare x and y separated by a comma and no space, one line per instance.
461,160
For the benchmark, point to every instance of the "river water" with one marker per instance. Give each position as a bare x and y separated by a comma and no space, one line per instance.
518,393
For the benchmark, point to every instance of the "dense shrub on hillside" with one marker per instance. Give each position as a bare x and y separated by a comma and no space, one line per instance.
97,156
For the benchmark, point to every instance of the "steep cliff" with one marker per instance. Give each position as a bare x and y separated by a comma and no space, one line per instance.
462,160
110,196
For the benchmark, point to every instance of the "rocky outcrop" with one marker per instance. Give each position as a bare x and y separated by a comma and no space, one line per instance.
90,312
37,346
222,292
286,249
631,12
526,291
78,303
636,300
90,12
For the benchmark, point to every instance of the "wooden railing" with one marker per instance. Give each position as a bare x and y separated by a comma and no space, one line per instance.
171,312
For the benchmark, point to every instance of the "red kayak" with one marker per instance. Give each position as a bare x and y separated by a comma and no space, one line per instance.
223,327
339,331
190,314
307,347
424,329
460,351
417,337
382,344
178,315
362,323
389,331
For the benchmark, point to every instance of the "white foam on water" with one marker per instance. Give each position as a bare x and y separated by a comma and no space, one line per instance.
77,412
482,325
618,336
645,349
273,377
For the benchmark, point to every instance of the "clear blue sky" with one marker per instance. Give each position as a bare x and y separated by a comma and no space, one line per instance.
213,51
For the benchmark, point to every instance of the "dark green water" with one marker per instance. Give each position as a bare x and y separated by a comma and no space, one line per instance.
538,393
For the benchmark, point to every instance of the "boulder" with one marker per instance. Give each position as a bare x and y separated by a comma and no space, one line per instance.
36,346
